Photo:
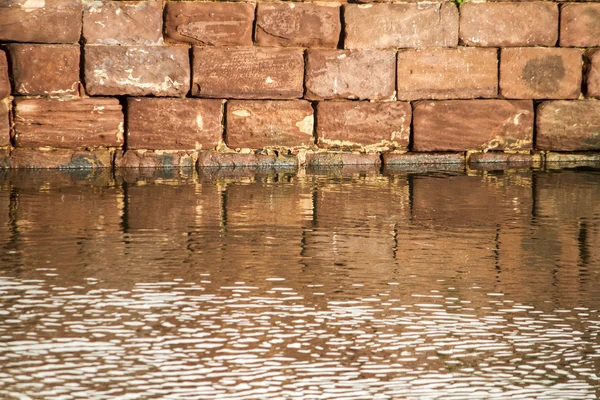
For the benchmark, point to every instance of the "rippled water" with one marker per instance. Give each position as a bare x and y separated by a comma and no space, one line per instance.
342,284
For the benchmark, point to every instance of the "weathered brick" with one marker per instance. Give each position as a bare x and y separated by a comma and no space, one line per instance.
460,73
580,25
137,70
350,74
68,123
236,160
593,73
4,122
568,125
460,125
173,124
45,69
49,21
509,24
248,73
382,26
158,159
407,159
123,22
60,158
259,124
506,159
333,159
298,25
215,24
540,73
4,80
347,124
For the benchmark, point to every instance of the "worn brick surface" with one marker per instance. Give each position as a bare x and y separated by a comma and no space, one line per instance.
4,80
459,125
68,123
506,159
350,74
236,160
173,124
4,122
333,159
45,69
248,73
298,25
60,158
540,73
258,124
342,124
382,26
580,25
159,159
460,73
123,22
48,21
568,125
593,73
212,23
509,24
407,159
137,70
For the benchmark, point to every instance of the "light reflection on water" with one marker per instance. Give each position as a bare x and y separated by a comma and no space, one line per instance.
339,284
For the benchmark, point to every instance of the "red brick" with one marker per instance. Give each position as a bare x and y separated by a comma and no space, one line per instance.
173,124
49,21
350,74
123,22
236,160
298,25
214,24
4,122
505,159
509,24
540,73
60,158
580,25
68,123
348,124
460,125
45,69
460,73
568,125
382,26
332,159
137,70
248,73
155,159
4,80
260,124
593,73
407,159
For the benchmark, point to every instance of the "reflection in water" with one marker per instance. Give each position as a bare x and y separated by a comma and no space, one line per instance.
343,284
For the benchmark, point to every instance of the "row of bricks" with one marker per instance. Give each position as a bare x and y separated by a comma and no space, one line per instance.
372,26
203,124
315,74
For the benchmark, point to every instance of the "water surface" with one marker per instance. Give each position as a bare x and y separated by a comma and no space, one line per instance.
341,284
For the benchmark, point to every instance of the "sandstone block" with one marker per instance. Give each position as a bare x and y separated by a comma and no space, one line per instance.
173,124
4,122
45,69
158,159
123,22
137,70
506,159
259,124
460,73
60,158
298,25
568,125
382,26
70,124
236,160
348,124
350,74
460,125
49,21
580,25
4,80
331,159
540,73
212,23
509,24
248,73
593,73
408,159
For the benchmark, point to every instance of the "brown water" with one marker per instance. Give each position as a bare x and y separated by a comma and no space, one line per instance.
340,284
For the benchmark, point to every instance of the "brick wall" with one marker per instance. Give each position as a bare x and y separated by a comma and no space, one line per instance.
174,83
